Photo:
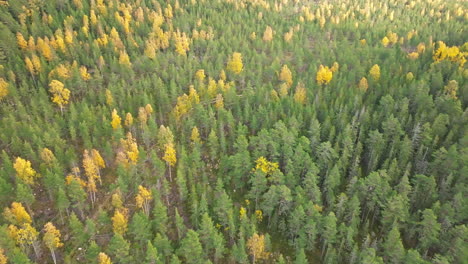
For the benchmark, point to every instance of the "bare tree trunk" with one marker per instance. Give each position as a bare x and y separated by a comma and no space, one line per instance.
170,174
53,256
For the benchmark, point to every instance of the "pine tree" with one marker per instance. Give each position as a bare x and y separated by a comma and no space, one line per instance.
300,257
140,227
429,230
329,231
152,256
119,248
190,248
393,247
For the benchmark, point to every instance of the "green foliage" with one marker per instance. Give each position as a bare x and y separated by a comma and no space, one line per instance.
337,129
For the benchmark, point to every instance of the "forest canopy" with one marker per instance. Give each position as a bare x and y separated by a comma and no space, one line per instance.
233,131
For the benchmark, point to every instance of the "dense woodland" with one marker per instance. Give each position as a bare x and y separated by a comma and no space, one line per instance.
233,131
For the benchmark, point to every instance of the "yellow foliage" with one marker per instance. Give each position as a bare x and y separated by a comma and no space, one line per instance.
253,36
60,94
268,34
98,160
259,215
143,199
124,59
84,73
116,120
31,44
117,200
219,101
165,136
168,12
62,71
363,84
409,76
413,55
195,135
324,75
148,109
375,72
142,116
242,213
3,258
286,75
421,48
363,42
266,166
3,88
24,171
235,63
52,236
452,54
256,246
60,42
26,235
186,102
222,75
385,41
335,67
104,259
91,165
22,43
318,208
33,65
300,95
47,155
17,214
119,222
128,120
200,74
288,35
451,89
392,37
182,43
109,97
274,95
44,48
170,154
283,90
69,36
30,66
150,50
70,178
212,88
128,153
